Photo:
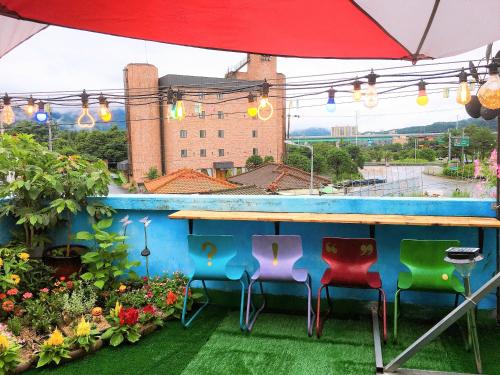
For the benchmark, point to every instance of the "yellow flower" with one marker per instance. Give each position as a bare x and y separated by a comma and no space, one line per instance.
83,328
122,288
55,339
15,278
4,343
24,256
1,262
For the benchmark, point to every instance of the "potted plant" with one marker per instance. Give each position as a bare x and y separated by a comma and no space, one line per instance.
27,183
78,179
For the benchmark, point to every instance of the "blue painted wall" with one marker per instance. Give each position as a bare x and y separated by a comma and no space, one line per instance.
168,238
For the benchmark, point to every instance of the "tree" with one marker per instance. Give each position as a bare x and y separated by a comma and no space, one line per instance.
340,162
356,155
482,140
297,160
427,154
268,159
254,161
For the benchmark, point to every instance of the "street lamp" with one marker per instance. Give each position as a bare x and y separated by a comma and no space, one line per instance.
289,142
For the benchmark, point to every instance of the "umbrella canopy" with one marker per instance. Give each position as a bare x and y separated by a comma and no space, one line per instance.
14,32
372,29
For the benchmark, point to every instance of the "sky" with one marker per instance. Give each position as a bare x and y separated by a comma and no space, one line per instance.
63,59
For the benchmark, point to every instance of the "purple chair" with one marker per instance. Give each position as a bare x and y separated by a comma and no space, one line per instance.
276,256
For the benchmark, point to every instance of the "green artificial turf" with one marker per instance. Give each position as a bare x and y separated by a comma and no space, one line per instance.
279,345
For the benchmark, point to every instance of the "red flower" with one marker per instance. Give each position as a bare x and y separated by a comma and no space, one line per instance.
44,290
62,278
171,298
3,295
12,292
8,306
149,309
128,316
145,278
149,294
70,284
27,295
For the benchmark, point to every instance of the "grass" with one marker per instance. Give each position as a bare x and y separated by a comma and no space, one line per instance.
279,344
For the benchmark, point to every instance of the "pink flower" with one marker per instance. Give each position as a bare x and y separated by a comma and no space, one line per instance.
44,290
27,295
149,294
12,292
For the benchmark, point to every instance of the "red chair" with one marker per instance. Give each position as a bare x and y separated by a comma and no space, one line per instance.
349,260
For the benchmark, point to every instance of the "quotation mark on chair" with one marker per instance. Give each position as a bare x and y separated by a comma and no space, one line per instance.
366,249
275,253
211,253
330,248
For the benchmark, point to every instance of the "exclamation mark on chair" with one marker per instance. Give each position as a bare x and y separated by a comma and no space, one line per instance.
275,253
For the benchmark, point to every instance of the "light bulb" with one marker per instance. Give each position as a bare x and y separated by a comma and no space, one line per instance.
252,110
180,113
356,93
422,98
85,120
264,104
104,112
463,91
41,116
30,108
371,96
172,111
330,105
8,116
489,93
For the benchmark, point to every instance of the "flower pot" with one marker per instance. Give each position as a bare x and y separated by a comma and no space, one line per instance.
62,264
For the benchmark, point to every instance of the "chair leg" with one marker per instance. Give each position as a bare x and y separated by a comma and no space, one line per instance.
381,298
456,299
197,312
250,320
396,314
319,326
310,310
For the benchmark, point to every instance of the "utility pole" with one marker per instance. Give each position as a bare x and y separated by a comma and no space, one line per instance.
1,120
449,146
49,124
416,140
356,127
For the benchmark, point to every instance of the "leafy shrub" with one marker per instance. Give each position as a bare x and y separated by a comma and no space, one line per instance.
15,325
80,301
39,317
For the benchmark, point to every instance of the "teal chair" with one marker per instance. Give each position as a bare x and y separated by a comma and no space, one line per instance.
211,255
428,271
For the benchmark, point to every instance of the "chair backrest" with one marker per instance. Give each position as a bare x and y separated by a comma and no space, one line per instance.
350,258
425,259
210,255
276,255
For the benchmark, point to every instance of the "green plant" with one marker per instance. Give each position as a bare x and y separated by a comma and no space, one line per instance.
14,262
85,336
108,260
9,355
80,301
124,325
54,349
38,276
15,325
254,161
152,173
39,317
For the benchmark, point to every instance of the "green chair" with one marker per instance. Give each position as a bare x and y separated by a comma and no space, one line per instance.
428,271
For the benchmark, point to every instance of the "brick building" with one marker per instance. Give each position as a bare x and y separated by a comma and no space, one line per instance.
216,139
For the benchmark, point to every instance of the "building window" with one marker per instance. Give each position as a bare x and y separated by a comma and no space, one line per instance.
254,133
265,57
203,152
220,115
201,96
184,153
255,151
220,96
220,133
203,133
221,152
201,114
184,133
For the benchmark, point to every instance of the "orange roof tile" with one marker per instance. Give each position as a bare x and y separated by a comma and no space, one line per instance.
186,181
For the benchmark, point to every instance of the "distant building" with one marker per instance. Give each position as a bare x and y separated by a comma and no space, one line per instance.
186,181
216,139
276,177
344,131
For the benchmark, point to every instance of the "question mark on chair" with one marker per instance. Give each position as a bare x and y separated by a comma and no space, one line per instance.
275,253
211,253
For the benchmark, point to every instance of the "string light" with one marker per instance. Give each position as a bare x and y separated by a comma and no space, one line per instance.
31,107
180,112
371,97
330,105
356,93
422,98
85,113
104,112
8,116
252,109
463,92
489,93
41,116
265,104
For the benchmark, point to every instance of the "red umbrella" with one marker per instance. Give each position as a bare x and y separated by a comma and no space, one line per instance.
373,29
